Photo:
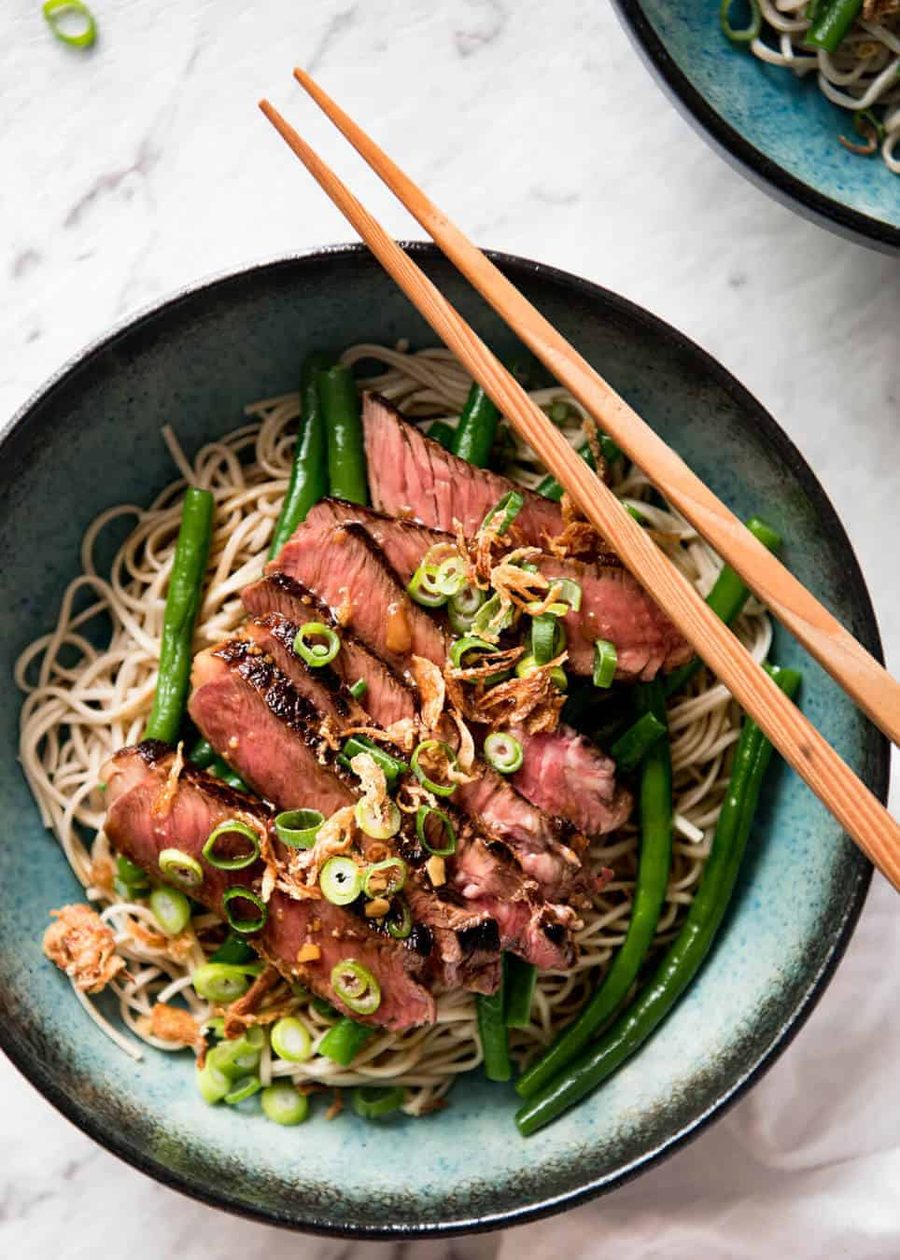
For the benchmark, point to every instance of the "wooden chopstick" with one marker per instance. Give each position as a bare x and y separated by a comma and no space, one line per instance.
870,685
863,817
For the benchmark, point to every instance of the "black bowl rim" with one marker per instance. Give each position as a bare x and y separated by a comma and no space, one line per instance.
762,170
42,1079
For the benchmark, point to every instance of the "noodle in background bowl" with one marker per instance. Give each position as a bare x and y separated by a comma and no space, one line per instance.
778,130
91,439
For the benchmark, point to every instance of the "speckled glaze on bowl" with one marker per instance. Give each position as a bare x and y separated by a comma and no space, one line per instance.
91,439
779,131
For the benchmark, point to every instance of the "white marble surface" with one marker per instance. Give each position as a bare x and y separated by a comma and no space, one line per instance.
144,165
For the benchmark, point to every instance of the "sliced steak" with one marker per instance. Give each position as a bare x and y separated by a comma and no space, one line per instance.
614,606
280,755
565,773
484,875
403,543
345,569
145,816
412,476
245,706
274,636
388,697
536,838
535,835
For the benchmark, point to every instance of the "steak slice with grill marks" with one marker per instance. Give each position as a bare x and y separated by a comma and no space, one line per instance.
410,475
537,839
146,814
614,606
388,698
248,710
274,636
531,827
281,755
346,570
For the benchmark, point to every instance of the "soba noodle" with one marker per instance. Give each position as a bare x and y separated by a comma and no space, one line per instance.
862,75
83,702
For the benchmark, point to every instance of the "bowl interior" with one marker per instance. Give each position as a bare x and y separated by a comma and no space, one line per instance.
789,123
91,440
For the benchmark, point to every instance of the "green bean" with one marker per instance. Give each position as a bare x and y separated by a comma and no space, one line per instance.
655,856
521,977
727,597
550,487
202,754
182,605
682,960
632,747
309,471
443,433
344,1040
832,23
222,770
343,429
492,1033
477,428
234,949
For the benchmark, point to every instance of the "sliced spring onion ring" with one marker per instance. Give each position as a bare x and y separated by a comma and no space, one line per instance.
224,982
392,766
463,606
282,1104
606,658
451,575
493,616
340,880
299,828
212,1084
359,689
243,1087
446,845
243,923
431,746
507,508
460,649
355,985
422,587
745,34
57,14
372,1102
527,665
176,865
291,1040
378,821
503,751
236,1056
226,862
171,910
548,638
570,593
386,878
317,644
399,922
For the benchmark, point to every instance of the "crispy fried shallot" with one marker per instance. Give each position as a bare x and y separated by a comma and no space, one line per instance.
166,794
82,946
173,1023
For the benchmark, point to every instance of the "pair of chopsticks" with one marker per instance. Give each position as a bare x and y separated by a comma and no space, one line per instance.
862,677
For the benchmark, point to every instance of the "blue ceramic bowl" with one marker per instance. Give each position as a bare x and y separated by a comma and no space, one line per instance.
91,439
779,131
